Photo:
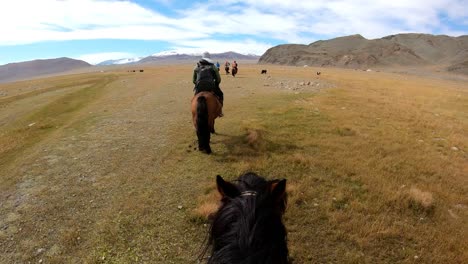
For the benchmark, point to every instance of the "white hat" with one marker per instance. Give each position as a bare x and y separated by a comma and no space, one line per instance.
207,57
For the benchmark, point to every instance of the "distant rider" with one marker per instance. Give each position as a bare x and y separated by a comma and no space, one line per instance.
206,78
234,65
226,66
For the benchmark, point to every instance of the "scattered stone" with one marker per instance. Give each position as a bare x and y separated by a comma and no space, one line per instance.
452,214
420,140
32,124
316,204
40,250
454,148
416,257
179,207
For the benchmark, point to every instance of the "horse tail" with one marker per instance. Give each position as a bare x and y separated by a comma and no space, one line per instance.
203,129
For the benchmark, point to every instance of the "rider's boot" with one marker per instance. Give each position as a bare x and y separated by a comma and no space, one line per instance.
221,111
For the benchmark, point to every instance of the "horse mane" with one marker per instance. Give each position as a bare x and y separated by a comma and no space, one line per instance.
248,226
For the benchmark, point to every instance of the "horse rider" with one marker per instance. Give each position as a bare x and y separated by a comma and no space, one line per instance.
226,66
206,78
234,65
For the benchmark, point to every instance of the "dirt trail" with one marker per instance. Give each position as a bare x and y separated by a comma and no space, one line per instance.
104,165
70,181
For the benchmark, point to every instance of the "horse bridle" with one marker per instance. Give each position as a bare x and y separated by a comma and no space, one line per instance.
248,193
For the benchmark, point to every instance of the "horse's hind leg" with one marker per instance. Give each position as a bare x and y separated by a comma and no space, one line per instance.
212,129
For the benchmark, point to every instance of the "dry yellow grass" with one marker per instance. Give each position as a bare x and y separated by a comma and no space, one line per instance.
113,168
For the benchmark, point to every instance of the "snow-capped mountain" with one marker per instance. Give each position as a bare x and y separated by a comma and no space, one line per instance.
167,53
121,61
176,56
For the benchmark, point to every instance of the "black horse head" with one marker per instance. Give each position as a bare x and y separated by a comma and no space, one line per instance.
248,226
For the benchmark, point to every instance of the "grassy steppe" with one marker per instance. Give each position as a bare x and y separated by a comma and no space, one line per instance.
376,166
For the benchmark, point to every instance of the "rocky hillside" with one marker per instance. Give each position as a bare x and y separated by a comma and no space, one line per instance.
358,52
30,69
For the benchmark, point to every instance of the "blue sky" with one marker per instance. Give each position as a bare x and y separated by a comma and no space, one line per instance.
98,30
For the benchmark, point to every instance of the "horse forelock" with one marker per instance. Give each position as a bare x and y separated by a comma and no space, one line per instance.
247,228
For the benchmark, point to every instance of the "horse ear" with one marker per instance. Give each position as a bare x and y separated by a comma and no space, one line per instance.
226,188
278,192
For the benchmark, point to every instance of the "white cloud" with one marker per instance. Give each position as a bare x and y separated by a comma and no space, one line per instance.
207,25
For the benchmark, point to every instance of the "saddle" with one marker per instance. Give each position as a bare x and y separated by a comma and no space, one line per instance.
197,91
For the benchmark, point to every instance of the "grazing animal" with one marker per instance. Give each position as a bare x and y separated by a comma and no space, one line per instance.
248,226
264,71
318,73
205,109
142,70
234,71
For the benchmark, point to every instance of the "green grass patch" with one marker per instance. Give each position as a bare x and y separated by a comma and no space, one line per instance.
28,130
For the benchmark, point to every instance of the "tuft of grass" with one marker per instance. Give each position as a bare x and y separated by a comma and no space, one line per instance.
421,201
207,205
345,131
255,139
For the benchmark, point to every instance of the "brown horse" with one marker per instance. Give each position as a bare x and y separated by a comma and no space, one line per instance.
205,109
234,71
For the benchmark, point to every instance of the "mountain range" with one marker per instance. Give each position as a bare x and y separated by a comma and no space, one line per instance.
28,69
355,51
36,68
173,56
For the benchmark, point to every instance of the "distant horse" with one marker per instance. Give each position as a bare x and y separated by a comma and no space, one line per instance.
248,226
318,73
264,72
205,109
234,71
226,68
